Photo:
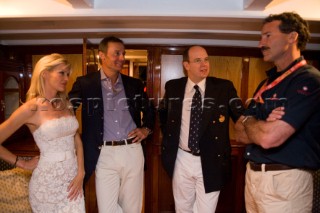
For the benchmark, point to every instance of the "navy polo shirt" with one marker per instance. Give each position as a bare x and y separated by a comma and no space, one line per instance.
300,94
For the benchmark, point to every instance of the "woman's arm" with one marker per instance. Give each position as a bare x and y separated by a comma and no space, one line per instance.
23,115
75,188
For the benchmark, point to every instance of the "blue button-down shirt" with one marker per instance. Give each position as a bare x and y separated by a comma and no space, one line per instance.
117,119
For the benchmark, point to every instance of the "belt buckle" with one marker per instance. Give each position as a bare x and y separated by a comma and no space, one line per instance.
195,153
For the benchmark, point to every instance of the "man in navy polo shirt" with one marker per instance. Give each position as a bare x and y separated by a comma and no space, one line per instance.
283,152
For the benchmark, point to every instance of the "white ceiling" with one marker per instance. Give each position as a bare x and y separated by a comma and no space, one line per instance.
146,21
308,9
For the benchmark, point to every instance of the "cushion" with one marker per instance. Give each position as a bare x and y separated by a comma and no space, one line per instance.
316,192
14,196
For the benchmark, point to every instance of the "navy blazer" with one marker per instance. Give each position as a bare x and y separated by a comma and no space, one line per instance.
87,92
220,103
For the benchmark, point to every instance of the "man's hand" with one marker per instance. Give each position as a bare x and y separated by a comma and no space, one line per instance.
240,132
276,114
139,134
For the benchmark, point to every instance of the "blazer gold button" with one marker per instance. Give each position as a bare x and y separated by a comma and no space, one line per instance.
221,118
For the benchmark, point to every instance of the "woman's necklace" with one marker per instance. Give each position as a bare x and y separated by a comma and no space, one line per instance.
44,99
57,103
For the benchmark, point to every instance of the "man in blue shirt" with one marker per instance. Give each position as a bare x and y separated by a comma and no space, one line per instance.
282,152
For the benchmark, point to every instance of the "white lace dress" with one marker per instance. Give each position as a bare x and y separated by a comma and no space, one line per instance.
56,168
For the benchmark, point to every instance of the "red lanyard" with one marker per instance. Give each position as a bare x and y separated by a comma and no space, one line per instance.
265,87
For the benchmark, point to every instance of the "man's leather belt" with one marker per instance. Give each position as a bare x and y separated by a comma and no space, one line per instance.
117,143
192,153
268,167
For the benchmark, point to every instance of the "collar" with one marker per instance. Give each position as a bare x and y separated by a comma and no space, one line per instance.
201,84
273,74
106,78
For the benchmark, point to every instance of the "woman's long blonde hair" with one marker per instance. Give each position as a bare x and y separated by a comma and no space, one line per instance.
46,63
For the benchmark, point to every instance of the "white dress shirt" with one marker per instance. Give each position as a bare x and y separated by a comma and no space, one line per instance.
186,111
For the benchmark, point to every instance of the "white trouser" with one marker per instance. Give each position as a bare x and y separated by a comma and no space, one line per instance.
119,179
278,191
188,188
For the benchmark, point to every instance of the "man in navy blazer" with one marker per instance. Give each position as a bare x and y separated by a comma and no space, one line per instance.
198,176
116,117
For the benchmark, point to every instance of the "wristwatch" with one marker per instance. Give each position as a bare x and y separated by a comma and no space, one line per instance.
149,130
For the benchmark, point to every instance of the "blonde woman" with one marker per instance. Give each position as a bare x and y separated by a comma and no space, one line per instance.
57,178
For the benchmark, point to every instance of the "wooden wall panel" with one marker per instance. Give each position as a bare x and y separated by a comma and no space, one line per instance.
257,68
227,67
230,68
171,68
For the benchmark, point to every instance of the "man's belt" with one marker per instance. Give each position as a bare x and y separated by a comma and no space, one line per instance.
268,167
192,153
116,143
